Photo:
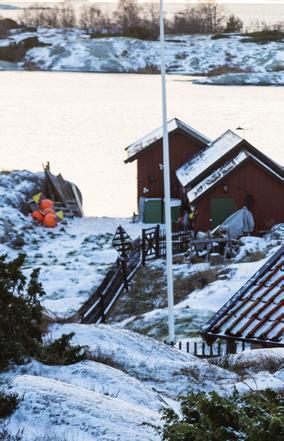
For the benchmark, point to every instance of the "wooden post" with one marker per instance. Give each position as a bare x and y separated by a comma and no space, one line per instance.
143,247
203,349
123,266
195,348
157,241
102,311
219,348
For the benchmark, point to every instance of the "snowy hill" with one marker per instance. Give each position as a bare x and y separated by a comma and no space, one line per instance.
118,393
226,60
90,400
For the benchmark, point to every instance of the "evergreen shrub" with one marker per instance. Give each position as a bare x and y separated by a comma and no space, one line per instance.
257,416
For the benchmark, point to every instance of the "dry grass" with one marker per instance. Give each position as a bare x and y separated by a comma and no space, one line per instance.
263,37
227,69
148,291
149,69
108,359
254,256
245,367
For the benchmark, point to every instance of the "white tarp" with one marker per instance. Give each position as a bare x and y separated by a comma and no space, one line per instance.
239,223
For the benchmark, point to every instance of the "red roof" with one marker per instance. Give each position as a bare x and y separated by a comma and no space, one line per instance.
256,312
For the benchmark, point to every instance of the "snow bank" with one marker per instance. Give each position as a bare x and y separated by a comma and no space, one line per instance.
262,369
79,411
96,377
246,63
157,365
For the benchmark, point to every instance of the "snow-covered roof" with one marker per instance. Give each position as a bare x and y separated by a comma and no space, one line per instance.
223,171
206,158
156,135
216,176
256,312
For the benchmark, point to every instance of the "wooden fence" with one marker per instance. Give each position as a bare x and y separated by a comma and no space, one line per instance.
220,348
97,307
154,242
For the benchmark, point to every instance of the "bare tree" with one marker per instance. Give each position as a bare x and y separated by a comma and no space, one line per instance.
92,19
62,16
66,16
151,19
212,15
189,21
127,15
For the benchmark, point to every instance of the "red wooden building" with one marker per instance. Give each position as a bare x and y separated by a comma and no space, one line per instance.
184,143
217,178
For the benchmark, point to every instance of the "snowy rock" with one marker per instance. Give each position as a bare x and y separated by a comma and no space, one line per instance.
227,60
245,79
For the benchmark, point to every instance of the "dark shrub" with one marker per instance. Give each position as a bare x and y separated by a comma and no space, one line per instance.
61,352
257,416
141,32
20,312
16,52
8,403
234,24
6,24
263,37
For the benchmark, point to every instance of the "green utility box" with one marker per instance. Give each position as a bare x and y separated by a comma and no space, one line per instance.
153,210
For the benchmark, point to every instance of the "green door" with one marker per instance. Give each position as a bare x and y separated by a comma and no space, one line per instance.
153,211
221,208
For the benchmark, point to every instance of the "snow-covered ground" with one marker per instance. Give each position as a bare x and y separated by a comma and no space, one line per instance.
226,60
90,400
119,392
73,258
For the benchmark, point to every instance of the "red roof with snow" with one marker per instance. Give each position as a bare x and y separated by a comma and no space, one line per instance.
256,312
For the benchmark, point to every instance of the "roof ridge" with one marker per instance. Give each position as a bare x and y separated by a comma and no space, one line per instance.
156,134
183,170
223,134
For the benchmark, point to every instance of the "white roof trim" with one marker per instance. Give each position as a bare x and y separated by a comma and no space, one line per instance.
157,134
224,170
203,160
216,176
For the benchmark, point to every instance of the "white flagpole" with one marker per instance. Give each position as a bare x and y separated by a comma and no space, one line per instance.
167,189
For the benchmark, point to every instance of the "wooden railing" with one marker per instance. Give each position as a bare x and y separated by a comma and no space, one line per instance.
154,242
98,306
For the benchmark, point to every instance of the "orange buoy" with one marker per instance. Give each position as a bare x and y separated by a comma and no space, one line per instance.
50,220
48,211
37,215
46,203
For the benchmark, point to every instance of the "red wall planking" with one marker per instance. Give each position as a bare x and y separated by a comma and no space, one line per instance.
150,175
249,178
